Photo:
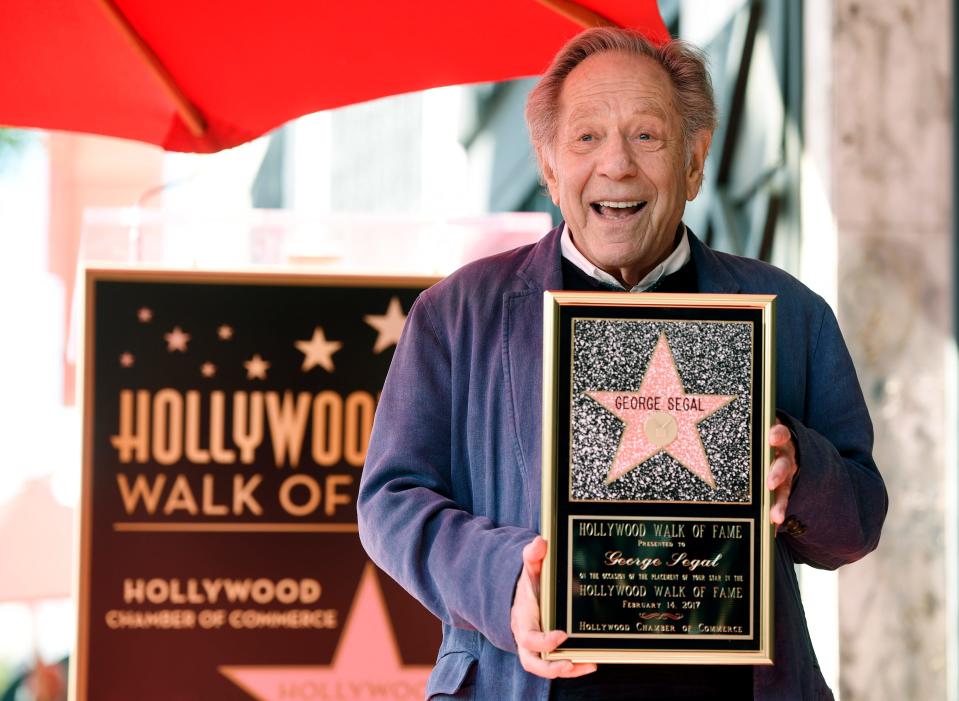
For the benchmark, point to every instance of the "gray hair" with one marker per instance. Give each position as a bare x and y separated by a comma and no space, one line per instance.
684,64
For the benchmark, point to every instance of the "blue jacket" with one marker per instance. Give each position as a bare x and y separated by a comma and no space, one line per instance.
450,492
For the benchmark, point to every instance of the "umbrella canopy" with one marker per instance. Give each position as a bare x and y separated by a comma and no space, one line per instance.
204,76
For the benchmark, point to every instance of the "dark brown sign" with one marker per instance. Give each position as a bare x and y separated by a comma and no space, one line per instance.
226,420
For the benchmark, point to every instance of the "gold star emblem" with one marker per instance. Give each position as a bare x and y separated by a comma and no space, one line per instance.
256,368
225,332
176,340
127,360
318,351
145,314
208,369
389,325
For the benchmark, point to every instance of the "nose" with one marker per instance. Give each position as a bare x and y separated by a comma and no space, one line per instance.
617,160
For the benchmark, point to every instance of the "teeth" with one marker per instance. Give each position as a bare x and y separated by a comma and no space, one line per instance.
618,205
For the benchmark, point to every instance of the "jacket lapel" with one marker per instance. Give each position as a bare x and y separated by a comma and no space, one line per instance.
712,274
523,361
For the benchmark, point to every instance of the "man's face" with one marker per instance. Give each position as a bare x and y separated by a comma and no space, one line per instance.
618,170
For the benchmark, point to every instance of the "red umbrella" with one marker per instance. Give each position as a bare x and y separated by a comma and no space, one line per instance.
204,76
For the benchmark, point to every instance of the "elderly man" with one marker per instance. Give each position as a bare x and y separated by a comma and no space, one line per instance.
449,502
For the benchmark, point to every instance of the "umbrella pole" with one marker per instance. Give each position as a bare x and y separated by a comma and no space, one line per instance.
575,12
188,112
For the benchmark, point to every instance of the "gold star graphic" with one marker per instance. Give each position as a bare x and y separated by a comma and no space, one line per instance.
225,332
389,325
318,351
145,314
176,340
127,360
208,369
256,368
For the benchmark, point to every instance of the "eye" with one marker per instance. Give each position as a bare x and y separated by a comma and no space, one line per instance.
586,137
645,137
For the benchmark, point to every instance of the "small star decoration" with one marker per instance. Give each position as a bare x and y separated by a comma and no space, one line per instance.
256,368
389,325
318,351
176,340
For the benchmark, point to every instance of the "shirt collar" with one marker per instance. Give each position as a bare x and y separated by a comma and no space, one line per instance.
673,262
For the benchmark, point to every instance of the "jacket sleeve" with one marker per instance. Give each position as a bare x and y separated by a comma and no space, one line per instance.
414,516
838,502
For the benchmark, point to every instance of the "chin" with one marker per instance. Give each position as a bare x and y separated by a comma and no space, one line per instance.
621,259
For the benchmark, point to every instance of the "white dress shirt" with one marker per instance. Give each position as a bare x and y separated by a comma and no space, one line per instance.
673,262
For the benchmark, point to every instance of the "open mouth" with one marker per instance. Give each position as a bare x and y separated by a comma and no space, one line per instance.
618,210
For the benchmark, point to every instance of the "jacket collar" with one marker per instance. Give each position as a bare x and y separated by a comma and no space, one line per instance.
712,273
542,268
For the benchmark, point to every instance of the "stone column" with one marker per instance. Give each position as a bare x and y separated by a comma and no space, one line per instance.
891,197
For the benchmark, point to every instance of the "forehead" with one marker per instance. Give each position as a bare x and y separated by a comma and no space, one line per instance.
618,81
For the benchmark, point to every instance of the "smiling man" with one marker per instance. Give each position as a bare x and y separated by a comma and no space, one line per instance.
449,499
619,163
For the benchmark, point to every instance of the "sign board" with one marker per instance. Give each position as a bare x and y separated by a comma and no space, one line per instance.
226,420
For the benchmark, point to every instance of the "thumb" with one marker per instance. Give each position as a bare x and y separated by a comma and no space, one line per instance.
533,555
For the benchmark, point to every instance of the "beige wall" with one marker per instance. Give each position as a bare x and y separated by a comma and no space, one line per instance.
891,197
91,171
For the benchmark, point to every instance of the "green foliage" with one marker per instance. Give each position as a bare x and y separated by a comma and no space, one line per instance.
6,666
11,140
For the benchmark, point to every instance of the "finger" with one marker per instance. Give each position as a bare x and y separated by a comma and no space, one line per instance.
550,669
534,640
777,514
553,669
581,668
781,469
533,555
779,436
529,643
779,481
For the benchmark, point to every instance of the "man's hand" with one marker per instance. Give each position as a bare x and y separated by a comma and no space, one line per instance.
782,472
524,622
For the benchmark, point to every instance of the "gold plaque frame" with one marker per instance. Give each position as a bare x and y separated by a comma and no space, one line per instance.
646,605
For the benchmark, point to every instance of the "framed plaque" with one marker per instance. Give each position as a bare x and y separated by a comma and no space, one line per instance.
656,411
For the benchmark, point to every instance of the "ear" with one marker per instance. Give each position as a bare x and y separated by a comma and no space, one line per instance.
699,147
549,175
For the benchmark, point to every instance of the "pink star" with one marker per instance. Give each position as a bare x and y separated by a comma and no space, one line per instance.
127,360
661,417
367,661
145,314
256,367
176,340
